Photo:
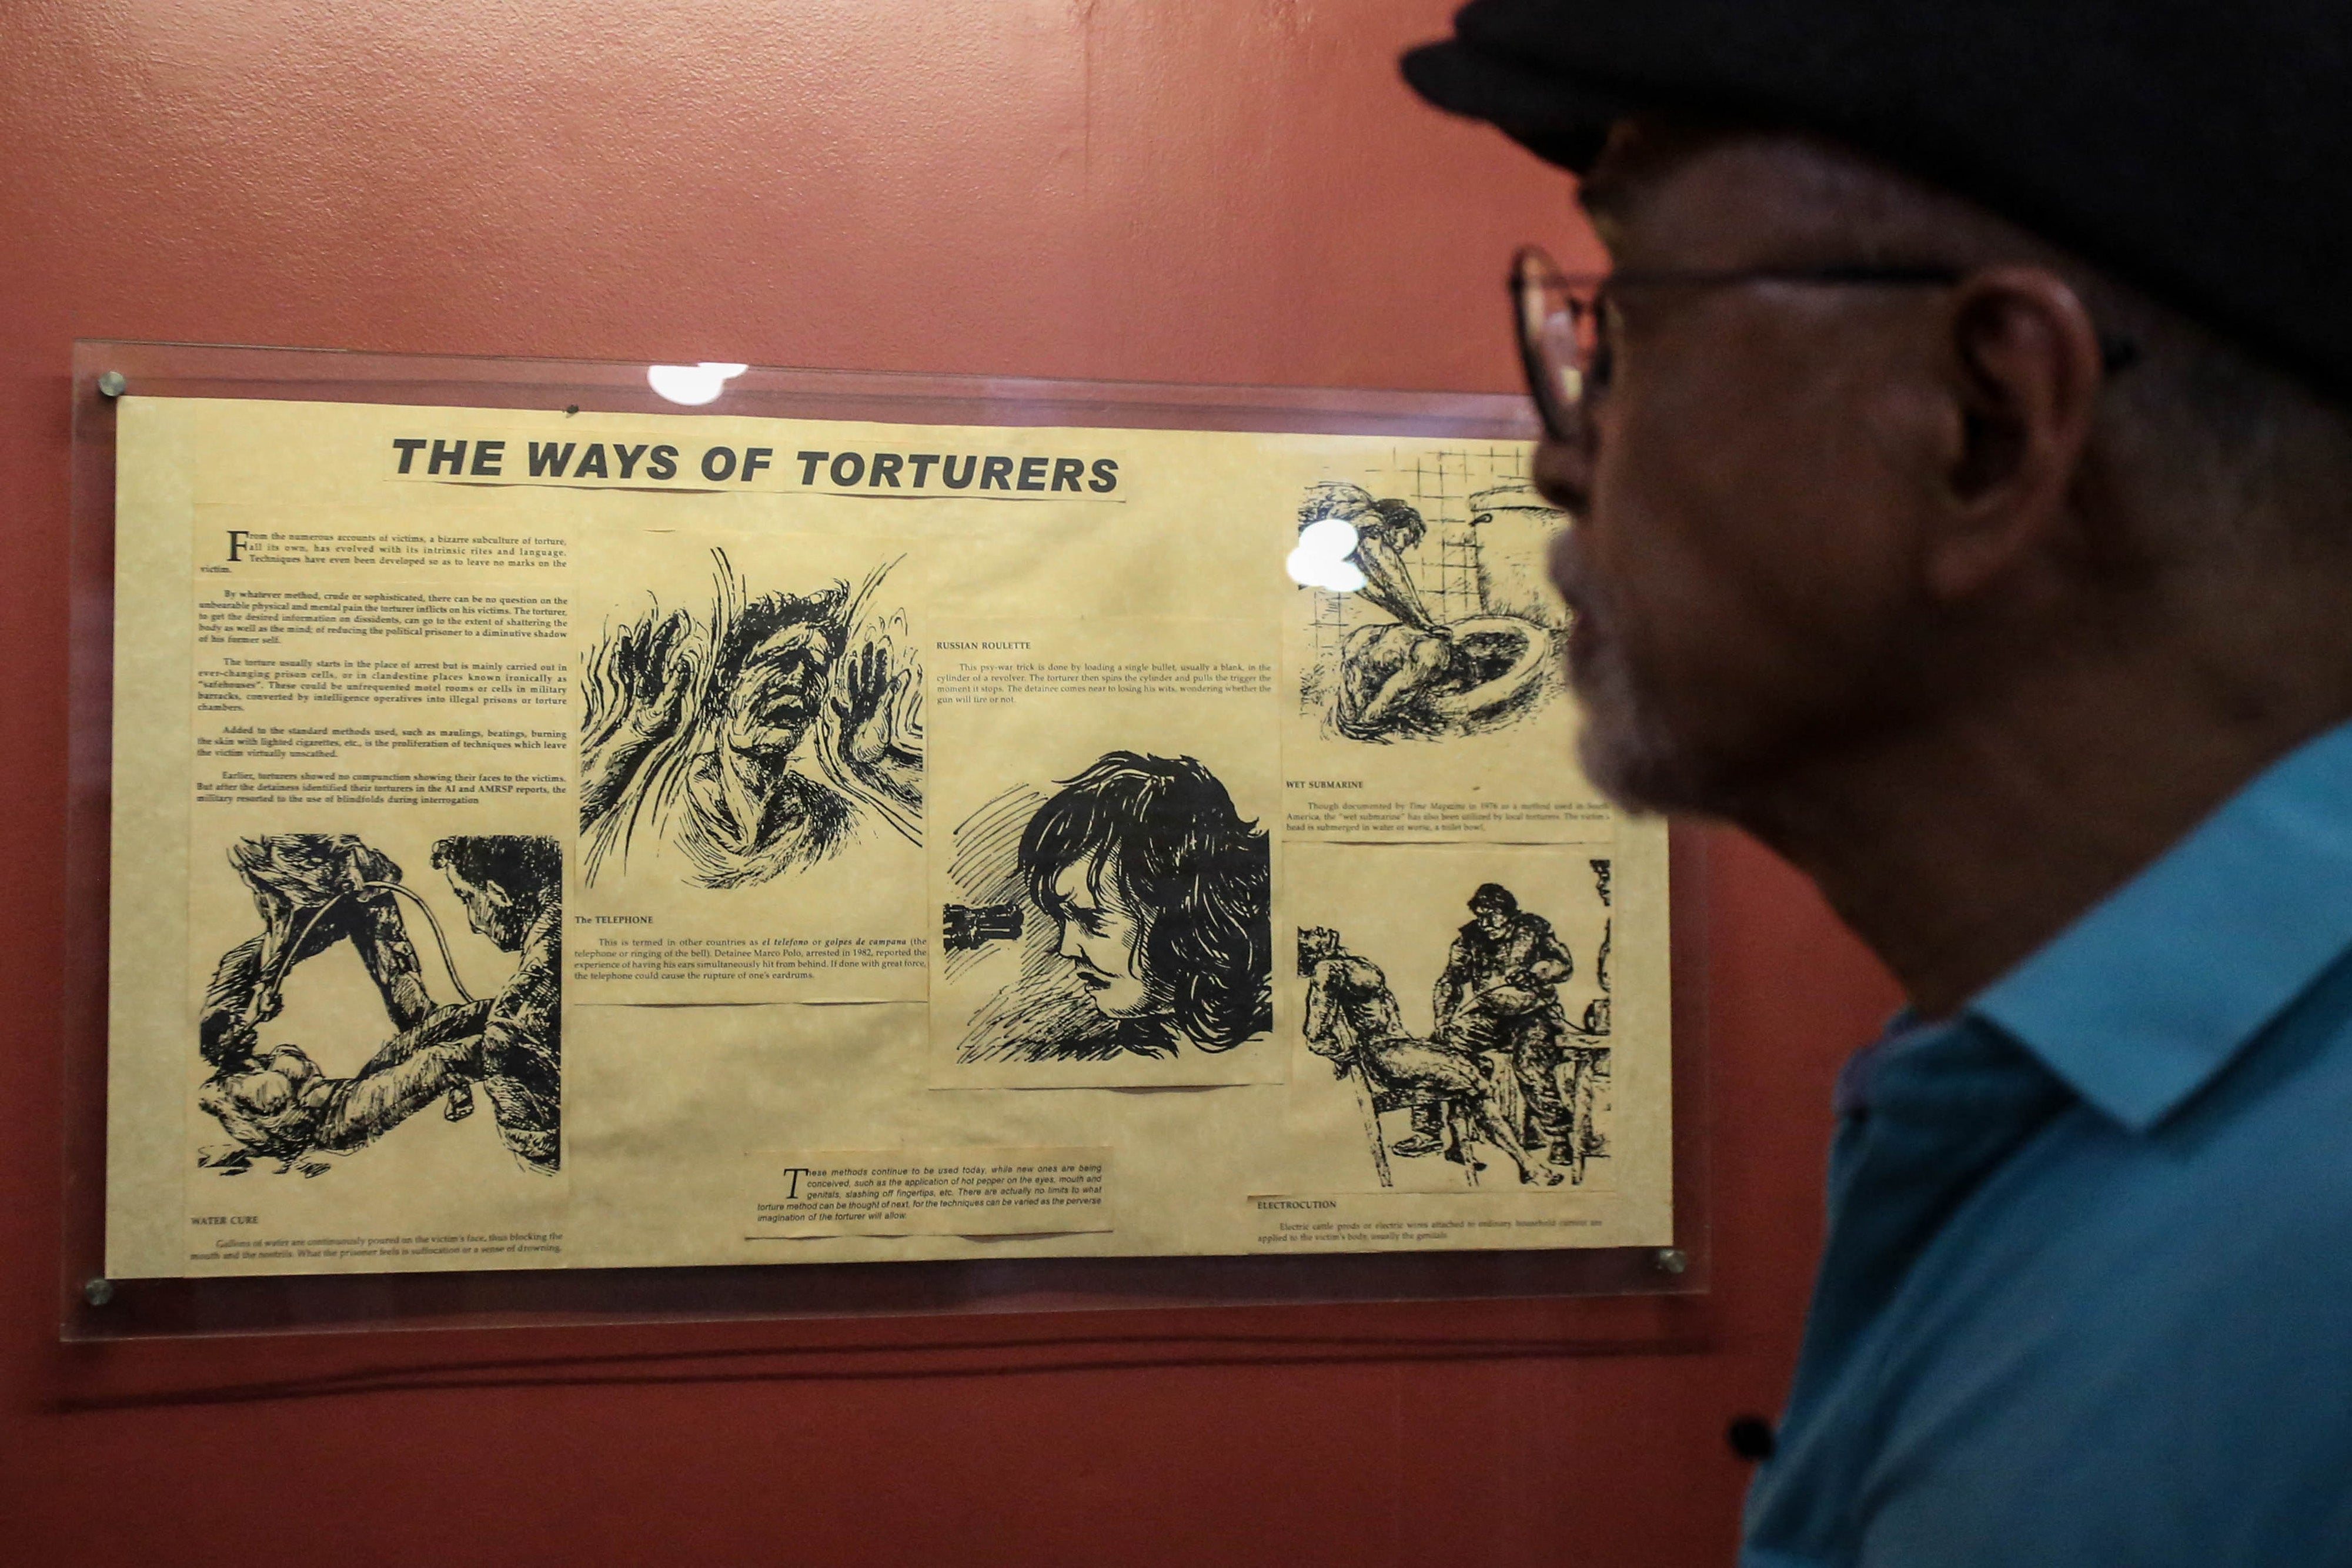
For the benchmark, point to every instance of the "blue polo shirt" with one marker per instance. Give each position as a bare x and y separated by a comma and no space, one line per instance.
2088,1293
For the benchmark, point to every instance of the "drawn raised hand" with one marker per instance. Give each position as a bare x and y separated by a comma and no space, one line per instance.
649,667
881,709
864,681
637,688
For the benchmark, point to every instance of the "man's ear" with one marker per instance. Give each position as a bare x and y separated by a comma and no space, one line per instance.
2025,370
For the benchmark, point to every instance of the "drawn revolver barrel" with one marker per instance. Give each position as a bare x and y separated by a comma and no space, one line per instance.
967,929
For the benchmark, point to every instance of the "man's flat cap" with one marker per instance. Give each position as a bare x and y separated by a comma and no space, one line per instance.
2202,151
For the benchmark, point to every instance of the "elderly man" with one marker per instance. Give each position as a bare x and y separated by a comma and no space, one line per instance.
1963,500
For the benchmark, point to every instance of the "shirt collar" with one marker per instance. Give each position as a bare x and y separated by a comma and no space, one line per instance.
2150,994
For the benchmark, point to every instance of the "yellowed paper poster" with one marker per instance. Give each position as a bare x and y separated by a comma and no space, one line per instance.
550,840
914,1192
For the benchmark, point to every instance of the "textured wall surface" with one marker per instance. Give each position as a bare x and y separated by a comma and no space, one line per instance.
1231,191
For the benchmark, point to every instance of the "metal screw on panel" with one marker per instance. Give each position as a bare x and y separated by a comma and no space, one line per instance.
111,383
100,1290
1671,1260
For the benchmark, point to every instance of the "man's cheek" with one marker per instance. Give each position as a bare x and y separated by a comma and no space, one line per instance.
1559,560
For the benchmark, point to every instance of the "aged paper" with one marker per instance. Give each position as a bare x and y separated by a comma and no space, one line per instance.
550,840
1480,1039
909,1192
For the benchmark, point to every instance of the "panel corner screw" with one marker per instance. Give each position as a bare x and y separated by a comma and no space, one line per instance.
99,1291
111,383
1671,1260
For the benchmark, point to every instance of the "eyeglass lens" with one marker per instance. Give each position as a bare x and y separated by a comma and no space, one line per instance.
1552,326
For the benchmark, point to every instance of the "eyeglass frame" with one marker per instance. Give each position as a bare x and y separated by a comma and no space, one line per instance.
1533,272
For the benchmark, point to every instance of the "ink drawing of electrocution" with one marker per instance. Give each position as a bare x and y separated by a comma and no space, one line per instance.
1514,1066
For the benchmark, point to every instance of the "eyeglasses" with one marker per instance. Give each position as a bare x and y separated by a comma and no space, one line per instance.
1564,343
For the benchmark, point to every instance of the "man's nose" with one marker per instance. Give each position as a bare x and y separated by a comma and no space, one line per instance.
1563,474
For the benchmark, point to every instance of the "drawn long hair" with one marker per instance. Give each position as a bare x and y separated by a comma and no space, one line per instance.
1196,874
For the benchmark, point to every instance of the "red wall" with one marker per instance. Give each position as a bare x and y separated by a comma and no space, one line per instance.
1190,190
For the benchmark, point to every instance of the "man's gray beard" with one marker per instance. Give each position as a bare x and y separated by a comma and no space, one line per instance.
1629,756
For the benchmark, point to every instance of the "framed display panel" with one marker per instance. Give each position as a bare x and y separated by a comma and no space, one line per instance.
917,843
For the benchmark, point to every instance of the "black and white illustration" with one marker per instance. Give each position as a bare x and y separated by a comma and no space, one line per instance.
316,894
1506,1069
1130,901
753,736
1428,619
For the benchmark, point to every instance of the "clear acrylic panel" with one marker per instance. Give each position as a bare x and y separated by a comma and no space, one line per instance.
95,1307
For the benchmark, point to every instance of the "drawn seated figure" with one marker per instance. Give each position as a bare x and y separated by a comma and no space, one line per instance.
1352,1020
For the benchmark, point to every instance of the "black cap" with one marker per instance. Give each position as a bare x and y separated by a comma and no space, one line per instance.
2203,152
